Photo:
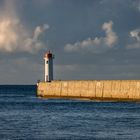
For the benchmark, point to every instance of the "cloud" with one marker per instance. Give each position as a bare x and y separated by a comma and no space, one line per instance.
135,34
136,4
139,5
98,44
14,36
34,43
135,38
8,38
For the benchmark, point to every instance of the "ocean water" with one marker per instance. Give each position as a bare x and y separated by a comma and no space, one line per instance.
23,116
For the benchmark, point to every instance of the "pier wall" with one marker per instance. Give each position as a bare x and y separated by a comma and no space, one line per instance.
95,90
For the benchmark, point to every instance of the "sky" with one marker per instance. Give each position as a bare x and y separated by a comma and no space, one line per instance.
91,39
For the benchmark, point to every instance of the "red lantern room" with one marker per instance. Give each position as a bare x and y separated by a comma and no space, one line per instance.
48,55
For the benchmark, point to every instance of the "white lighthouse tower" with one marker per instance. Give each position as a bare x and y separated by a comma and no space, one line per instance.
48,66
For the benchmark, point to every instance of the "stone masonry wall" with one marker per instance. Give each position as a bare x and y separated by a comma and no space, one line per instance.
96,89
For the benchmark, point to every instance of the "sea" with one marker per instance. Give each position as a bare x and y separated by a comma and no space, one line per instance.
24,116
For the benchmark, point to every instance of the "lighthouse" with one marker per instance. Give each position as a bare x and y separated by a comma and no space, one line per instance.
48,66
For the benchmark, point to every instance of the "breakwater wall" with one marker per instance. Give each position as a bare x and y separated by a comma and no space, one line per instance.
118,90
